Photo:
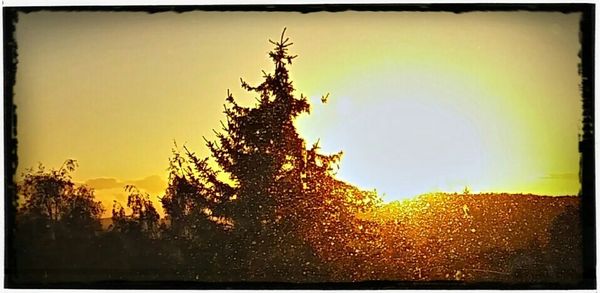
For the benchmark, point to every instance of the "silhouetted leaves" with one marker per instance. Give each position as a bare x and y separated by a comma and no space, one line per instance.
143,220
57,223
272,209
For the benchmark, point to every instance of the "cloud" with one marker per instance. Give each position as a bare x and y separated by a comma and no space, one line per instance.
103,183
151,184
109,190
561,176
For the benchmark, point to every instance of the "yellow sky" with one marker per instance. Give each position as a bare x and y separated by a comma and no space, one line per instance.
419,102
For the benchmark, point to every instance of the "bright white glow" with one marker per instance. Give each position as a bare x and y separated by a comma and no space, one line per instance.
399,137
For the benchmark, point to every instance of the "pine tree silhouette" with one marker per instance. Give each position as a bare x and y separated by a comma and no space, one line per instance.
279,190
261,151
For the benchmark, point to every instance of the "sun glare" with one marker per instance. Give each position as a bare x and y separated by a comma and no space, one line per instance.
412,141
420,148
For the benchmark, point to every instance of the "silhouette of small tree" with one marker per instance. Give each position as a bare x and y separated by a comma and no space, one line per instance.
566,245
467,190
51,198
132,243
143,220
196,228
57,224
192,196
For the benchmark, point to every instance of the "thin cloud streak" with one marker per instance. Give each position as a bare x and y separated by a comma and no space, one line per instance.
152,184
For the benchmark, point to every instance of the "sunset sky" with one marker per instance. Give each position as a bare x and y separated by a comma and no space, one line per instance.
419,102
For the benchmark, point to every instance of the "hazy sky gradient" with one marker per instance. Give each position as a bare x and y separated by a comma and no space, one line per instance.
419,102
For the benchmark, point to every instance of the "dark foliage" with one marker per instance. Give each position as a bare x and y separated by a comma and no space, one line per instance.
57,223
257,212
272,210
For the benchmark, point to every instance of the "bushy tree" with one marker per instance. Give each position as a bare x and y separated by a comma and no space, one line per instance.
51,199
262,153
278,191
193,196
196,232
131,247
143,220
330,223
57,224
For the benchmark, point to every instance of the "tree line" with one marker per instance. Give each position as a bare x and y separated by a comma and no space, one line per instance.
281,214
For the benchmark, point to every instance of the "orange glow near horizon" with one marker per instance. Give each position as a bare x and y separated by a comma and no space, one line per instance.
419,102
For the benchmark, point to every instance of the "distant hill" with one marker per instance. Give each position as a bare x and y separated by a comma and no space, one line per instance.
493,237
508,238
517,217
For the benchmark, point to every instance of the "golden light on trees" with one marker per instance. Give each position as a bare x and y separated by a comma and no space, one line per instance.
262,198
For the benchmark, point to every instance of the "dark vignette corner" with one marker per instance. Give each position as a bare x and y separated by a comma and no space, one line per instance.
10,142
586,147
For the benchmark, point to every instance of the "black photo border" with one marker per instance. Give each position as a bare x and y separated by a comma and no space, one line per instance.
586,143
